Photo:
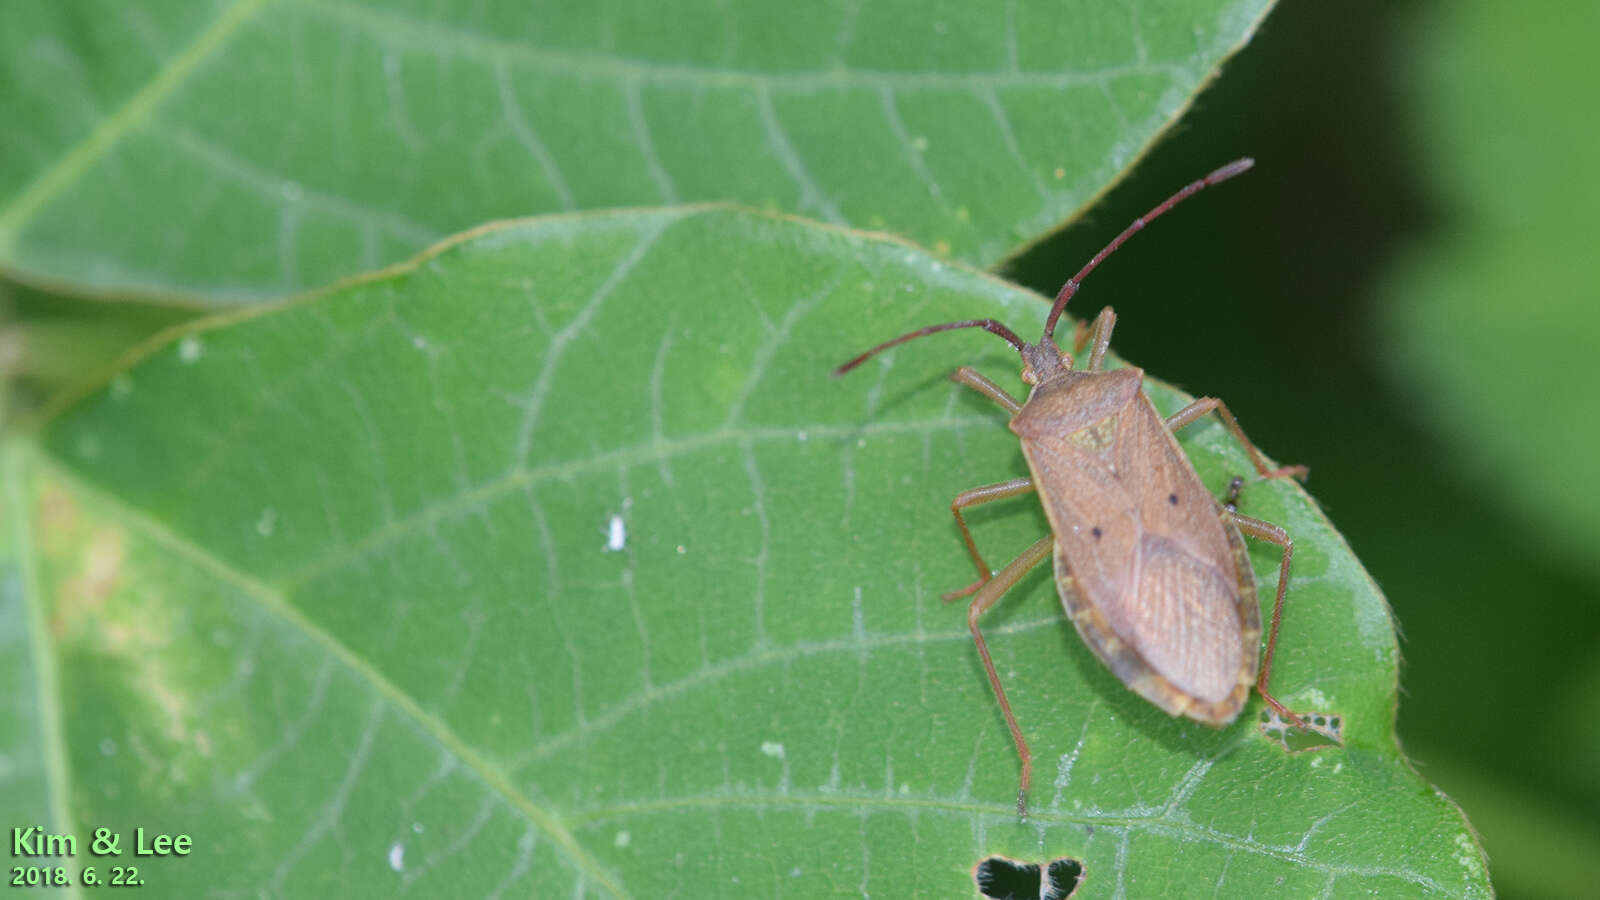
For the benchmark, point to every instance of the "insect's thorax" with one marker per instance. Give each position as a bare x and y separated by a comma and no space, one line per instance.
1071,402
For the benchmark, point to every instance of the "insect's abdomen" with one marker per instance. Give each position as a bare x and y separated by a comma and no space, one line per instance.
1145,565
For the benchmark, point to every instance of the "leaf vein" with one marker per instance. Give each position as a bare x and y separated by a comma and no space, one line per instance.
75,162
521,477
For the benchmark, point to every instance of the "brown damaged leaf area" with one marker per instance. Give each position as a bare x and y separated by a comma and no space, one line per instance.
100,608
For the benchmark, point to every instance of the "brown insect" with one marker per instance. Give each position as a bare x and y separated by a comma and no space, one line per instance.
1151,569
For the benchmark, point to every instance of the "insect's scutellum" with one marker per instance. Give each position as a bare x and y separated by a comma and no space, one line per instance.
1138,543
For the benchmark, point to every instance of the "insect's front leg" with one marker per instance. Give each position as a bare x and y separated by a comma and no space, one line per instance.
976,380
1098,334
1200,407
989,493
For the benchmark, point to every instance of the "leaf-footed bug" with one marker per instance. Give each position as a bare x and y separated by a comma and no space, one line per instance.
1151,569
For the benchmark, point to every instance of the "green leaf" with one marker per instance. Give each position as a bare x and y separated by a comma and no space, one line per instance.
327,587
241,150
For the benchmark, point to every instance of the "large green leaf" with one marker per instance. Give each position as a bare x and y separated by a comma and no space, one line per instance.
246,149
327,587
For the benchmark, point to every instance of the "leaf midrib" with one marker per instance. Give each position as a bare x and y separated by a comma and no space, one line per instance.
58,774
652,451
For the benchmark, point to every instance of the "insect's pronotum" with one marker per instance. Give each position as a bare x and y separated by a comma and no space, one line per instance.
1151,569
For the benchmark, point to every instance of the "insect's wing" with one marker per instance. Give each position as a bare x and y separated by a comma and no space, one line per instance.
1154,580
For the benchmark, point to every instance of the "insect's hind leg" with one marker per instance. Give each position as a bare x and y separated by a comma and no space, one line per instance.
991,592
1189,414
1273,534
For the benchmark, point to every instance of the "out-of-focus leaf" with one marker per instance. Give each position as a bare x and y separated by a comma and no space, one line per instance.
50,343
557,563
1496,315
248,149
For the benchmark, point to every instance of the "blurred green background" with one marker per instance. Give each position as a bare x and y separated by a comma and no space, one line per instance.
1400,297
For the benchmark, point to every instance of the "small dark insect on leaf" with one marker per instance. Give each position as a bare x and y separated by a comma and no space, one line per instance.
1151,569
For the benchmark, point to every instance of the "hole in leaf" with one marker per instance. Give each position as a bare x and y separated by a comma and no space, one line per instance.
1007,879
1062,876
1324,731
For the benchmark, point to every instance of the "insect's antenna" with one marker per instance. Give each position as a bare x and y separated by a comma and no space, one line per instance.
988,325
1193,187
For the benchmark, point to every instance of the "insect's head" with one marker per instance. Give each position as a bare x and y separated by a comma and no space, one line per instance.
1044,360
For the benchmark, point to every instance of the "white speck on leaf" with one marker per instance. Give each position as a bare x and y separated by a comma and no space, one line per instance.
121,386
772,749
616,535
622,839
189,349
267,522
681,550
1312,698
1468,857
397,857
108,747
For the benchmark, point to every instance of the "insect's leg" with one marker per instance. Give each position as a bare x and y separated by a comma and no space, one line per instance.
1274,534
1098,334
1204,405
1235,488
977,497
972,378
991,592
